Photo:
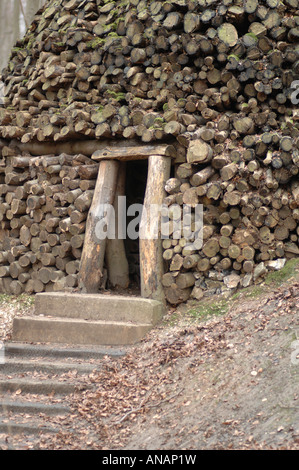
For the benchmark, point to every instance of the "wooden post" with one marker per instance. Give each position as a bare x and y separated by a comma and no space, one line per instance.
93,255
151,260
116,259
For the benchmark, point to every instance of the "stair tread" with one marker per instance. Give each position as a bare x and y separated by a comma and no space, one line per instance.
76,331
67,351
25,379
33,406
37,386
88,319
47,359
16,426
80,321
99,306
47,365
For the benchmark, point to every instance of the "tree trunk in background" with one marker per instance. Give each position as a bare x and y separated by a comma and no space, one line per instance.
12,24
9,27
31,7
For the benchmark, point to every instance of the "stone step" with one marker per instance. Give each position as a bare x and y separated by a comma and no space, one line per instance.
36,386
13,366
9,406
77,332
59,351
99,307
12,427
37,379
67,337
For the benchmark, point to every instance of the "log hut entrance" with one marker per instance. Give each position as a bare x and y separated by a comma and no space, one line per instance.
118,165
136,180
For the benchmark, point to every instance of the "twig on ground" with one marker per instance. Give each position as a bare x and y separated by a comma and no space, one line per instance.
135,410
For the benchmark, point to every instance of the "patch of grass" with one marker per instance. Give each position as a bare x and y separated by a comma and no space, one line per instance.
273,279
113,34
26,300
5,298
171,319
254,292
205,311
236,295
23,301
197,311
17,49
289,270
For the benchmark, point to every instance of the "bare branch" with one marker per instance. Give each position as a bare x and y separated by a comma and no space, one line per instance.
23,13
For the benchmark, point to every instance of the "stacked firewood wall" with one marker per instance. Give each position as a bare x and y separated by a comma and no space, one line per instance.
152,70
43,210
250,200
217,77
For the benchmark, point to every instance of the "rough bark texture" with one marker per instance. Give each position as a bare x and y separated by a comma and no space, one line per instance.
117,262
93,254
151,261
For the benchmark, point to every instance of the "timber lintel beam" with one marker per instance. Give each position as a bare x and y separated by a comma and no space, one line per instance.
133,152
98,150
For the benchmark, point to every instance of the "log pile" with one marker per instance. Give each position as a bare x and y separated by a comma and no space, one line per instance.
250,217
153,70
43,210
215,77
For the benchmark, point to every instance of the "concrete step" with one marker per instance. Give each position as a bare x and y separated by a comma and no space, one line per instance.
13,427
53,359
59,351
36,386
8,406
99,307
35,383
75,331
88,319
12,366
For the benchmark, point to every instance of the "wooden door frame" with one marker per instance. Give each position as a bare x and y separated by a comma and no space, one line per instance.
151,261
150,242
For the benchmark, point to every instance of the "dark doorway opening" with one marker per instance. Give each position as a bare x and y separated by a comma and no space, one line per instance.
136,180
